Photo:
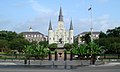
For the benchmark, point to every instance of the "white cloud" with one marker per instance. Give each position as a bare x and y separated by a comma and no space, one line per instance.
4,21
38,8
41,21
5,24
102,23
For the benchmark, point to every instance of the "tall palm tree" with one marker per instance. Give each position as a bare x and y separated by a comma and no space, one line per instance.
82,49
93,49
28,50
41,51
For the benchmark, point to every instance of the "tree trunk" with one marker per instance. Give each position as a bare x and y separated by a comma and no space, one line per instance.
93,59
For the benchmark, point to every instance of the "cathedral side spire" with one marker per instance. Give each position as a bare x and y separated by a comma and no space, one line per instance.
60,15
71,26
50,26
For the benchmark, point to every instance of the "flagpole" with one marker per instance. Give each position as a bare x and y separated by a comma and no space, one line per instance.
91,29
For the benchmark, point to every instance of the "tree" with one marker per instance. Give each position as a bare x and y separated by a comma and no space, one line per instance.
41,51
18,44
93,49
114,48
80,50
102,35
44,43
3,45
114,32
52,46
75,50
76,40
12,40
109,44
86,37
36,51
29,49
68,46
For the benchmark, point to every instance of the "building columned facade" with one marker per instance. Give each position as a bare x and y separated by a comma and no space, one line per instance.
95,35
60,35
34,36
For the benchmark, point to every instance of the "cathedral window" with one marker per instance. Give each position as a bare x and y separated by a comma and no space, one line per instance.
80,35
68,38
31,35
37,35
26,35
34,35
97,35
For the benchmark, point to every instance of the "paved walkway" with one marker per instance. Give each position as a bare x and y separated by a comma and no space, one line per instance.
59,66
57,63
115,68
46,62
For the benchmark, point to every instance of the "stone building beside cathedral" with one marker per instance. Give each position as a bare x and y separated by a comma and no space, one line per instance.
34,36
60,36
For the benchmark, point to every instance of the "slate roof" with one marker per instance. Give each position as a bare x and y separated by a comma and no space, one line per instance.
83,33
88,32
32,33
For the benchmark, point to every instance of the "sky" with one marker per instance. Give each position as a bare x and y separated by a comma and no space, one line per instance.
19,15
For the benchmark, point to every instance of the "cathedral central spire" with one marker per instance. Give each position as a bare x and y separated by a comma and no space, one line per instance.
50,26
60,15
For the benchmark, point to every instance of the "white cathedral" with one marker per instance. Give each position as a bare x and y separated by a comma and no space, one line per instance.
60,36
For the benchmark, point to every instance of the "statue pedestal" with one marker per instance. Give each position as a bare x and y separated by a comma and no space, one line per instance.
60,53
60,45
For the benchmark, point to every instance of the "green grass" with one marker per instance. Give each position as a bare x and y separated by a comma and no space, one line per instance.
2,53
68,52
52,52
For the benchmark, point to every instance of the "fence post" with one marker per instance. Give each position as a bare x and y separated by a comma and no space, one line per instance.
25,61
65,55
56,55
104,56
49,55
118,56
71,55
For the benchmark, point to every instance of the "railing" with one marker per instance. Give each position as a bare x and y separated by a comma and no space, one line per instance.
55,56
